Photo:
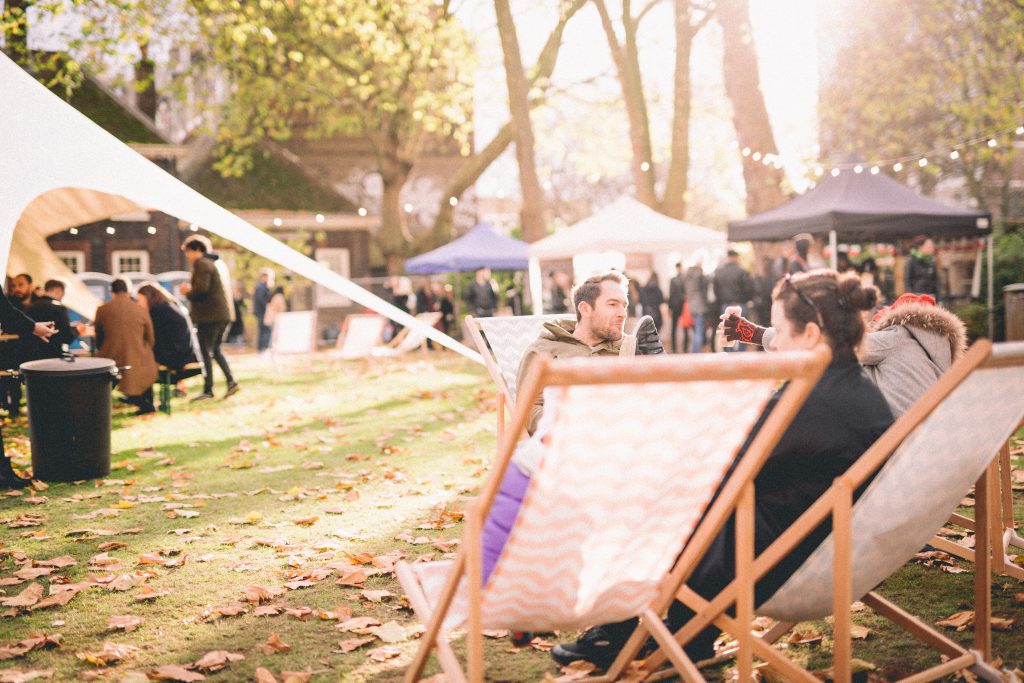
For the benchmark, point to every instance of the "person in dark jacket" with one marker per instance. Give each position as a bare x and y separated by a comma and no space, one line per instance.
733,285
48,308
676,302
210,313
843,415
697,297
651,299
798,263
13,321
482,294
920,274
260,298
173,343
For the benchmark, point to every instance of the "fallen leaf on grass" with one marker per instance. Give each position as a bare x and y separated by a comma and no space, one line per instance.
257,594
382,654
376,596
264,676
111,545
26,598
147,592
273,644
355,578
59,562
350,644
267,611
1001,624
804,637
858,632
111,653
960,621
217,660
24,675
57,598
126,623
358,624
173,672
33,642
339,613
391,632
300,613
576,671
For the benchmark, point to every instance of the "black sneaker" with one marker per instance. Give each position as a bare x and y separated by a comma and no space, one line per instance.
10,480
205,396
233,389
596,646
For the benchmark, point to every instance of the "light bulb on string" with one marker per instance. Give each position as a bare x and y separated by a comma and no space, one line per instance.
858,168
923,162
835,172
897,167
874,170
818,170
756,156
746,152
1020,130
992,142
954,155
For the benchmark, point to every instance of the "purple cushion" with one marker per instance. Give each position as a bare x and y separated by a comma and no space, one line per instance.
502,516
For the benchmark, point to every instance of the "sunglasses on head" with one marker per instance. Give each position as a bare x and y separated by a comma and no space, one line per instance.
806,299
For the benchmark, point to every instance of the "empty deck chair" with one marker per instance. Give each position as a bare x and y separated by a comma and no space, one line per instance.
675,424
502,341
922,467
408,339
359,334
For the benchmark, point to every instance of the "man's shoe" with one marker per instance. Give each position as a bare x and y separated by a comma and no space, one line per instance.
233,389
596,646
10,480
205,396
145,410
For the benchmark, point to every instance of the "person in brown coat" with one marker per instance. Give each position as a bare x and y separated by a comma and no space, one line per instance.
124,333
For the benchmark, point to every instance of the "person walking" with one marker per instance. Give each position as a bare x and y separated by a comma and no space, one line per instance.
482,294
697,297
260,297
651,299
211,312
13,321
124,333
732,284
676,302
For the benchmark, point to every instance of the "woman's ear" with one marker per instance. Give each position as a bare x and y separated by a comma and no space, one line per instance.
813,333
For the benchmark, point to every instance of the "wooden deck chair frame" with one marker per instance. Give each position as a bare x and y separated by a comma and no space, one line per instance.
837,503
1002,524
800,369
339,346
506,398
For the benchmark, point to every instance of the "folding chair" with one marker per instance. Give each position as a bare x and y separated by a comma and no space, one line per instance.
502,341
408,339
359,334
922,466
674,424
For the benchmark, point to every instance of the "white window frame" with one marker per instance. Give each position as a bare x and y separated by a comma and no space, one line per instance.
339,260
71,255
118,254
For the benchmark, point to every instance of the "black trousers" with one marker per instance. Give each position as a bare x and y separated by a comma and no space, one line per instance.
210,336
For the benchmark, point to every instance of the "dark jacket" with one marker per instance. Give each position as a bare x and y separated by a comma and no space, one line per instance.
677,294
260,296
481,299
172,345
13,321
209,303
697,290
651,300
732,284
920,276
43,310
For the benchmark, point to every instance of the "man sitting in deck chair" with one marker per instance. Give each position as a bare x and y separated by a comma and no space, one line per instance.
600,302
844,414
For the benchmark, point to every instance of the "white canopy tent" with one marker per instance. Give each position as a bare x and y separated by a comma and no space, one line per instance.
627,227
58,169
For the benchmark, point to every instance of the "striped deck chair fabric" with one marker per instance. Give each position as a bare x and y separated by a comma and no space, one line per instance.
629,470
507,338
361,333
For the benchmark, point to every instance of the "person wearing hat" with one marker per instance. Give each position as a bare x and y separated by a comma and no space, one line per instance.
211,312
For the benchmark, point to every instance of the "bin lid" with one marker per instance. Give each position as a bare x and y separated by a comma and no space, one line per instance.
79,366
1018,287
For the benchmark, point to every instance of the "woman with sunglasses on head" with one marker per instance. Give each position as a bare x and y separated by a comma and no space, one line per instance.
843,415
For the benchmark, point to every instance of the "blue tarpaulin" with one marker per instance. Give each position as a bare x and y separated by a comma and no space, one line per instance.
481,247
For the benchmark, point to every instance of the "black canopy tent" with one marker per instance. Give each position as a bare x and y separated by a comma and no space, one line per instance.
865,207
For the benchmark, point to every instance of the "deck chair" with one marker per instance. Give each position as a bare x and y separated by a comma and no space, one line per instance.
922,467
408,339
359,334
502,341
1001,520
674,423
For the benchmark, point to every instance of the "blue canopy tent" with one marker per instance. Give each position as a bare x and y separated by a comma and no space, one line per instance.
481,247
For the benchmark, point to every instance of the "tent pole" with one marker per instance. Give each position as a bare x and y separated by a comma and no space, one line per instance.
991,295
536,286
833,249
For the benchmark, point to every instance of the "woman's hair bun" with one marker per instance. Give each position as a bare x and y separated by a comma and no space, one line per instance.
860,298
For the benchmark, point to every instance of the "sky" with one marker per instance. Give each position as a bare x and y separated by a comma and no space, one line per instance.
590,128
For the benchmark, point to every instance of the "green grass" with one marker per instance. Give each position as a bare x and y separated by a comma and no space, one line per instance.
369,451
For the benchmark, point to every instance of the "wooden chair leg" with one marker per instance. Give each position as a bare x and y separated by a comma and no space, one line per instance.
842,587
985,489
745,578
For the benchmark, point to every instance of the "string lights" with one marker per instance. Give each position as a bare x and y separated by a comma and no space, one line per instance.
897,164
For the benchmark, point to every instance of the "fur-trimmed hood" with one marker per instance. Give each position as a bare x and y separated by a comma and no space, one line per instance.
928,318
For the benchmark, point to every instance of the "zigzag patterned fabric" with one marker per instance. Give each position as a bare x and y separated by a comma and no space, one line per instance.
508,337
629,471
914,493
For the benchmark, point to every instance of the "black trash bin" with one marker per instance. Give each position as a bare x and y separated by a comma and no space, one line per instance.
69,417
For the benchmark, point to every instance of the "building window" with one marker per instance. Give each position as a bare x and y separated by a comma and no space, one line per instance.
338,261
129,261
74,260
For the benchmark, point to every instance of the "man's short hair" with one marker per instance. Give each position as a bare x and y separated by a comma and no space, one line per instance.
119,286
196,245
732,253
28,278
55,284
590,289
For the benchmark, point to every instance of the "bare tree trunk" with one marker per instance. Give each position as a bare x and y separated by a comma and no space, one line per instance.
674,200
627,64
393,237
532,211
750,117
474,167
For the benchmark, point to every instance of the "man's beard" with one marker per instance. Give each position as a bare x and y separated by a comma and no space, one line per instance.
610,332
